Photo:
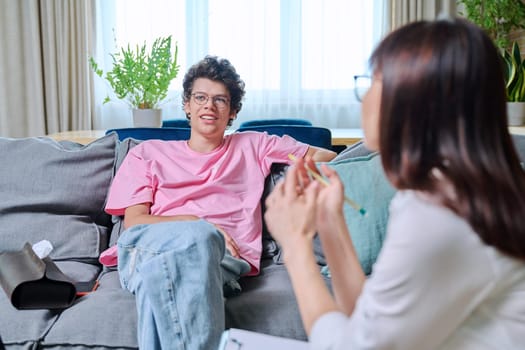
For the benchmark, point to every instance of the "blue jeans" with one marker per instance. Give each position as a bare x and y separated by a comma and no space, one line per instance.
176,271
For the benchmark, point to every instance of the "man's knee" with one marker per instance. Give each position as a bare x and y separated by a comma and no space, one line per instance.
206,234
164,236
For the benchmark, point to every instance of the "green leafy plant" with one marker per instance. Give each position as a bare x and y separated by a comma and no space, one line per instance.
497,17
139,77
515,74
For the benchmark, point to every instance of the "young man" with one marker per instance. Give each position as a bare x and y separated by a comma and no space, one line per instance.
192,212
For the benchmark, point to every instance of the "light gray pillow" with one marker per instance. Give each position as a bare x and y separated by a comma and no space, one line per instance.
358,149
519,143
123,148
56,191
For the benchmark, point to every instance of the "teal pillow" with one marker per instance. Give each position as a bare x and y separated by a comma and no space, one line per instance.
366,184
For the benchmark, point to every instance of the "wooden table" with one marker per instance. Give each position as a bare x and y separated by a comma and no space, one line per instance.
518,130
344,137
340,137
81,136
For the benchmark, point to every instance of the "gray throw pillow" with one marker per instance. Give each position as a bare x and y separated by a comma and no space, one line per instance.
123,147
519,143
358,149
56,191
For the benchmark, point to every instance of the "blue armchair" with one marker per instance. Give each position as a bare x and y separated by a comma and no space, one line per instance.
312,135
275,121
166,133
175,123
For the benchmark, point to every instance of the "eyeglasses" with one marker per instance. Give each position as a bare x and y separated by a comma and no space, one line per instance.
221,102
362,84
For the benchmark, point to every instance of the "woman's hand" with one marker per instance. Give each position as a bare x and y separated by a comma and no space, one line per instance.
291,207
291,218
140,214
330,200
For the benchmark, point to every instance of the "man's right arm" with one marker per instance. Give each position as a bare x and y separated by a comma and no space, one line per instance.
140,214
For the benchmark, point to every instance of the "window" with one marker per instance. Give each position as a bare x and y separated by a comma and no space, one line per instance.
297,57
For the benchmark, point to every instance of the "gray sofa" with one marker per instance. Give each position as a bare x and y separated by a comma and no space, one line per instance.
57,190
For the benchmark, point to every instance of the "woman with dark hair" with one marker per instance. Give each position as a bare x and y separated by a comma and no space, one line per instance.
451,273
192,213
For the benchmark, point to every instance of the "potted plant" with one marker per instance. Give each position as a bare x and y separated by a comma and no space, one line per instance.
142,78
498,18
515,83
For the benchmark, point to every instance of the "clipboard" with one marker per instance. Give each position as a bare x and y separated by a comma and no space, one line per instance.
239,339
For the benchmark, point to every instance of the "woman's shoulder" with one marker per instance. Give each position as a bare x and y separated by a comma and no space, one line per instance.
420,217
417,218
414,203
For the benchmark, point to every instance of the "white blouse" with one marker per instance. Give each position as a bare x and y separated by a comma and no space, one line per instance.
435,285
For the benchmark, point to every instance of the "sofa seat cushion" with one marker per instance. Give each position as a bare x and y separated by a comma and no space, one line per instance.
23,329
56,191
105,319
78,271
267,304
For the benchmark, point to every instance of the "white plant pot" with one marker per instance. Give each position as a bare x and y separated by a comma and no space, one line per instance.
147,118
516,113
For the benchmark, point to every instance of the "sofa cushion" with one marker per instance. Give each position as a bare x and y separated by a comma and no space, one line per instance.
56,191
123,148
357,149
366,184
267,304
519,143
105,319
23,329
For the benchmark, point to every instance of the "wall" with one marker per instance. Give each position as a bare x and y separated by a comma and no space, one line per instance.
519,36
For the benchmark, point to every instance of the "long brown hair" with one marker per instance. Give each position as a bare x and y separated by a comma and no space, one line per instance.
443,106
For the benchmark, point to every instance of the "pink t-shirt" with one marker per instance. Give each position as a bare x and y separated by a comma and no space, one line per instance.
223,187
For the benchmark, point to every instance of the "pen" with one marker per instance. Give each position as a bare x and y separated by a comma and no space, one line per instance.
324,182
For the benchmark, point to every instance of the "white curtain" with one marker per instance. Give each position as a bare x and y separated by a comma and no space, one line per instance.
22,101
297,57
44,76
405,11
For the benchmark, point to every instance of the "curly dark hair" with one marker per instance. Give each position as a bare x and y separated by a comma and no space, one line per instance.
216,69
